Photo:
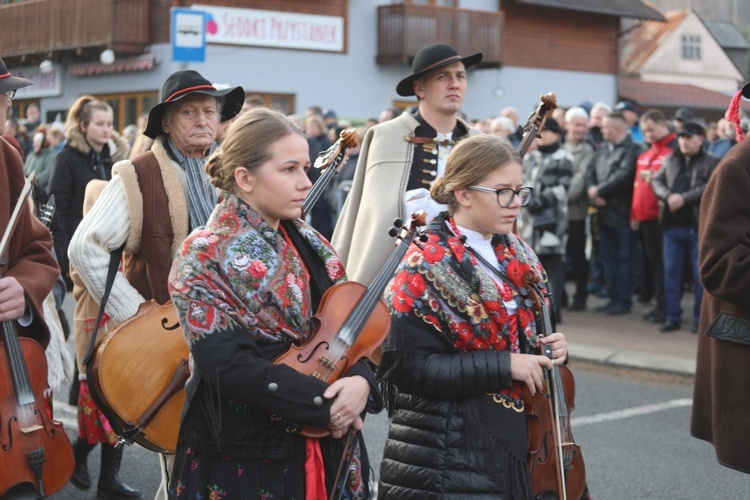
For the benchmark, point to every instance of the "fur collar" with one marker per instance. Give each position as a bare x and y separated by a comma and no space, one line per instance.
177,202
118,146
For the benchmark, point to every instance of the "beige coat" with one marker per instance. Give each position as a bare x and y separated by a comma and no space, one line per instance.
376,198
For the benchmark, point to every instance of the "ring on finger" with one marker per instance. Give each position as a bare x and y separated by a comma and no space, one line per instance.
339,415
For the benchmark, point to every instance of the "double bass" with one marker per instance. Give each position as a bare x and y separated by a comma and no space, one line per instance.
35,452
138,370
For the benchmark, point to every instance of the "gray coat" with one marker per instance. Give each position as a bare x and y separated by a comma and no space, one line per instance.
578,200
545,218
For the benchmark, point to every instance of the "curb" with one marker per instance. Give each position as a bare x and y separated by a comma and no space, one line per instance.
632,359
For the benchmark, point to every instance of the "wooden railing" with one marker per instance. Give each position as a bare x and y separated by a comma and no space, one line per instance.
405,28
48,26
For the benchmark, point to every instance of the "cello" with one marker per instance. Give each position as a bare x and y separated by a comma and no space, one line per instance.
555,461
34,449
143,399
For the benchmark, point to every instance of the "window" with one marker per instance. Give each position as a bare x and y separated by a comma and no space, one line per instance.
691,47
128,107
443,3
283,103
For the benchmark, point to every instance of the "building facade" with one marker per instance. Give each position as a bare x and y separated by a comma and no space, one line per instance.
343,55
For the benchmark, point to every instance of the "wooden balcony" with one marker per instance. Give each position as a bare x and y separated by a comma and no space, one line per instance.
37,29
405,28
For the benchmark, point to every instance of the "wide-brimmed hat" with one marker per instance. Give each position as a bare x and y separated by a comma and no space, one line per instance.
429,58
746,91
184,83
10,82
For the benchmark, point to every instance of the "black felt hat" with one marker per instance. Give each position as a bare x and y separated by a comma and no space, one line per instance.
10,82
552,125
690,129
746,91
429,58
184,83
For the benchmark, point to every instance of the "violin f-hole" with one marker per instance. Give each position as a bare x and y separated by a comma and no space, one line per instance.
312,353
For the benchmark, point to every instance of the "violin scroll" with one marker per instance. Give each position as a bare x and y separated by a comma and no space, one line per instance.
333,155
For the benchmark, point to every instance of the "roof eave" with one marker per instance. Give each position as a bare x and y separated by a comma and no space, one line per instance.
645,12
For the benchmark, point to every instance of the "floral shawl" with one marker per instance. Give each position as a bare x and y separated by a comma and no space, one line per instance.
240,272
442,285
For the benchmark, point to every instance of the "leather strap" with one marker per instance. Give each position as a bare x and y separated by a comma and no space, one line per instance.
114,263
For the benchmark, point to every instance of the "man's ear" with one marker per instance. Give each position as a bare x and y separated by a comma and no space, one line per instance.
418,88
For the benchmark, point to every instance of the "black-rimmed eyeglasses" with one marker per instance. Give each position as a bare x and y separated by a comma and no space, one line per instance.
505,195
10,93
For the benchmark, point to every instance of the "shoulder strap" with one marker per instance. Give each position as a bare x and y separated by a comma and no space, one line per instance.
114,263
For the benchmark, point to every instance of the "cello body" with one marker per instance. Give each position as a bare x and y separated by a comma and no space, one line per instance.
137,377
27,432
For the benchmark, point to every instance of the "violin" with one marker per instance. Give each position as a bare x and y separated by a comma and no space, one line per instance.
34,449
535,122
555,460
330,161
351,322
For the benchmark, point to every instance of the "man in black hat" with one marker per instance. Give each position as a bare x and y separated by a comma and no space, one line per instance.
152,203
27,268
628,110
679,185
400,159
681,117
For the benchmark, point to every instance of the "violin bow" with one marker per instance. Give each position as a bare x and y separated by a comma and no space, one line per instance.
16,212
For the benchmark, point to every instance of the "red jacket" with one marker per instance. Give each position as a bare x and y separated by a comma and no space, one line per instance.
645,205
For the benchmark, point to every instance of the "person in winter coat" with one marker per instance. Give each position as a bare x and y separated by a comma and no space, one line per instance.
246,287
610,189
548,170
460,345
41,159
92,148
679,185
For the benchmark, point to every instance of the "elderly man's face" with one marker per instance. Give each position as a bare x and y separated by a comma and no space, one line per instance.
192,123
4,107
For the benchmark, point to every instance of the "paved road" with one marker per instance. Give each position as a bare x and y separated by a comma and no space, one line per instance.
633,428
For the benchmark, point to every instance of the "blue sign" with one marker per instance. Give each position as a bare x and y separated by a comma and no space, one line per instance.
188,35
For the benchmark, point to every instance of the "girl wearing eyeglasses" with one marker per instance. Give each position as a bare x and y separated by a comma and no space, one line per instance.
459,348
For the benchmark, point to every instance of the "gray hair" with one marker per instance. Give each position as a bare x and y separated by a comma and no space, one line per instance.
602,105
576,112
